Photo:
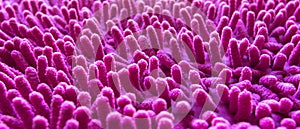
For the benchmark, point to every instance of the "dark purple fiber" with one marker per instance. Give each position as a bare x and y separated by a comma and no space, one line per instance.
133,64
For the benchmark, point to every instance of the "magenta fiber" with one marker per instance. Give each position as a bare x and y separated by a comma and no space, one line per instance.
143,64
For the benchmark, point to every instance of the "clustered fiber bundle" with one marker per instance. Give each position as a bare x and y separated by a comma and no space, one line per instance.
132,64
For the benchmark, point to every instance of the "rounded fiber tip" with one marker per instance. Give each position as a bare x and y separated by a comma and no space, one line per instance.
182,107
71,124
113,120
128,123
199,124
142,120
285,105
159,105
123,100
263,110
40,122
165,123
130,110
288,123
267,123
83,115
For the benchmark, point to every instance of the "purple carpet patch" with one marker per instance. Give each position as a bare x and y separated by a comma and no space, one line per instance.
149,64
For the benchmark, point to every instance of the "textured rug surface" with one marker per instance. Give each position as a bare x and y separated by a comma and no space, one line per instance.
149,64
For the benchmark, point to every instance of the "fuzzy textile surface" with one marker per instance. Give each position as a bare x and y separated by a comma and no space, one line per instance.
149,64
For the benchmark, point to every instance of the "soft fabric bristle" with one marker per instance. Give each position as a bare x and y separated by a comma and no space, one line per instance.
81,64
